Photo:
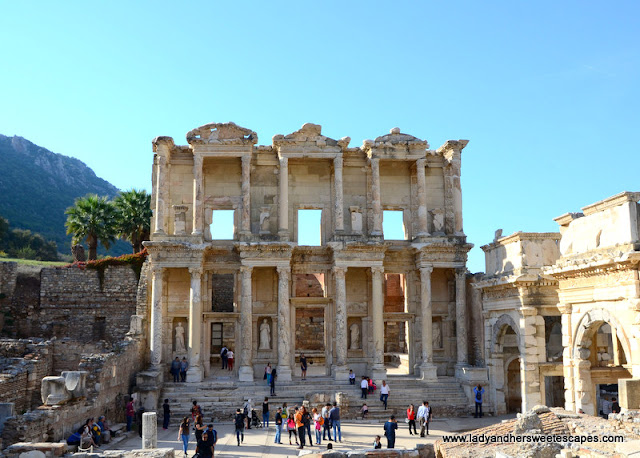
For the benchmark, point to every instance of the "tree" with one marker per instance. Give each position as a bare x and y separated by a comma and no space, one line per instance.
92,218
134,217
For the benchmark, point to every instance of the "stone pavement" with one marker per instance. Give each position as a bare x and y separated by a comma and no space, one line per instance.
355,435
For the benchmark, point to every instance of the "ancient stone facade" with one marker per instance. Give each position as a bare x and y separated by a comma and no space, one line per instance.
563,310
355,299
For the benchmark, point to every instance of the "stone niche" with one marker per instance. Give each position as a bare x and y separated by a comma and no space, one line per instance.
179,322
355,336
310,329
265,334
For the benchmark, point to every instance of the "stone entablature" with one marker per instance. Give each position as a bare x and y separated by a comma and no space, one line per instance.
222,168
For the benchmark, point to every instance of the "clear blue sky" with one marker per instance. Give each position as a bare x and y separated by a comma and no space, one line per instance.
546,92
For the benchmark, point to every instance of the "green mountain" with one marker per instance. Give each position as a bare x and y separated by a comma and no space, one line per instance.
37,186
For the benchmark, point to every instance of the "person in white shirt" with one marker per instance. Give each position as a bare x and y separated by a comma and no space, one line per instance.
606,408
364,386
384,393
422,416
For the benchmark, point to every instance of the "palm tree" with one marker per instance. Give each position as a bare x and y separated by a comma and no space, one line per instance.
92,218
134,217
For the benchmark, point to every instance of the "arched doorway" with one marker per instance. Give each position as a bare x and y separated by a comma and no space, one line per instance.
506,376
514,387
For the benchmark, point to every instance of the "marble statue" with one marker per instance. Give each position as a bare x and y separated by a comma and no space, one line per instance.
180,348
436,336
355,337
265,336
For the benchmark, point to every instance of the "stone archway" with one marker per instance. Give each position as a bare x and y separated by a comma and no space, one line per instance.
513,391
505,348
585,375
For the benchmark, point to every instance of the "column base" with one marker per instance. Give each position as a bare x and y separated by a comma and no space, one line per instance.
378,373
284,374
340,373
194,374
283,236
428,372
245,374
196,233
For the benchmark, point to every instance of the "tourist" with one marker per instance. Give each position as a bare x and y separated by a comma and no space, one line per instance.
411,419
175,369
372,385
130,412
606,408
352,377
195,411
390,431
422,417
364,410
303,366
306,421
329,446
104,427
97,432
265,413
615,406
183,434
198,427
300,426
204,449
334,416
183,369
317,424
274,376
384,393
246,409
292,428
377,442
86,436
223,356
479,391
277,419
166,417
364,388
239,423
327,421
230,359
213,435
267,374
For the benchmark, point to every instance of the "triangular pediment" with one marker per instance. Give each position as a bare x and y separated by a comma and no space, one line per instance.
222,133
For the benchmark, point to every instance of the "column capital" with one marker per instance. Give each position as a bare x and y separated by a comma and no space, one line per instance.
461,272
283,160
198,160
422,162
377,269
339,270
338,161
246,269
426,270
196,271
246,159
283,270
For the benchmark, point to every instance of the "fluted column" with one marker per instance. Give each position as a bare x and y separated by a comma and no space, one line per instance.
377,302
284,327
461,315
375,196
198,192
161,193
340,369
194,373
338,213
245,371
283,206
155,340
427,368
245,225
423,229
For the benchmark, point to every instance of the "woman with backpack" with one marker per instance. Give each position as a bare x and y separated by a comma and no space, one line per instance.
183,434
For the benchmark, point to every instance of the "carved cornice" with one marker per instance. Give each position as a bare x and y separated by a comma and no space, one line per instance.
227,133
594,265
519,237
308,139
395,145
452,149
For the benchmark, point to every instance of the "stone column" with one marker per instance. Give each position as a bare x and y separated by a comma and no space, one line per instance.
377,301
567,358
283,204
375,196
284,326
198,197
338,214
161,193
428,370
529,357
340,370
149,430
156,317
245,225
194,373
245,371
422,197
461,316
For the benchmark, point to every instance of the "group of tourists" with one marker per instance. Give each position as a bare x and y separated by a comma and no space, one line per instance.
226,356
206,436
179,369
91,434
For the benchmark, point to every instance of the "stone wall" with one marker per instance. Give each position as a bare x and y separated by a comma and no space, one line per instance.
8,275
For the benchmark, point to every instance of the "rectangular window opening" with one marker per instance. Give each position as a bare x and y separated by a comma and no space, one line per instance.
309,285
216,338
393,225
394,295
309,227
222,225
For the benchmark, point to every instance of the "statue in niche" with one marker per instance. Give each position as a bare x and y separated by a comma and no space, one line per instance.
264,220
265,336
436,335
180,348
355,337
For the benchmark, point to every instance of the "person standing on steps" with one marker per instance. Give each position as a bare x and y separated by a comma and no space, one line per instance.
303,366
277,419
390,431
239,423
223,356
411,417
230,360
267,373
265,413
384,393
334,416
184,365
166,417
175,369
274,376
364,388
195,411
183,434
479,391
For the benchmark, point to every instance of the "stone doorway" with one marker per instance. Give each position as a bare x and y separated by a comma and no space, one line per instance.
514,388
309,328
554,391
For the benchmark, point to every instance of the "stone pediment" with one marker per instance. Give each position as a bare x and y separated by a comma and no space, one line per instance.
309,135
227,133
395,137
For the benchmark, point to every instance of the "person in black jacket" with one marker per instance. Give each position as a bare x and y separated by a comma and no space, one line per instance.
239,422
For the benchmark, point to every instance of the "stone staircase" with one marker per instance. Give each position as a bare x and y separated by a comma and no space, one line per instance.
219,398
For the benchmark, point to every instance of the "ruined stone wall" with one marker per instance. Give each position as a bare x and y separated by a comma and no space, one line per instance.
22,365
8,275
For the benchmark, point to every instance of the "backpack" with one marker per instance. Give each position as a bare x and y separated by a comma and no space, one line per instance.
321,420
224,352
478,396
